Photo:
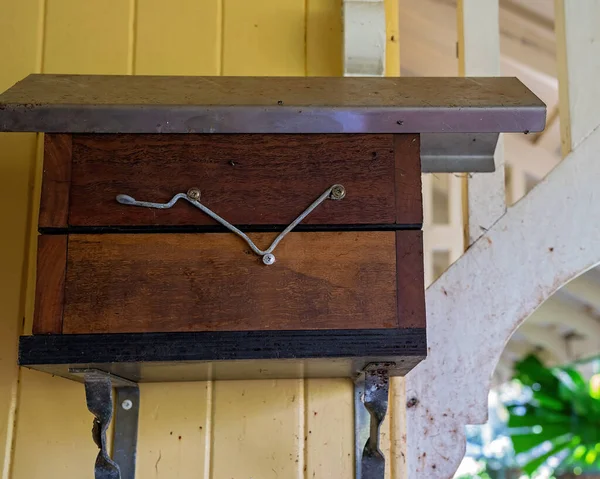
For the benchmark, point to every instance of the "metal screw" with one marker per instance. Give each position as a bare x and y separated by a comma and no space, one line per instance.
194,194
127,404
268,259
337,192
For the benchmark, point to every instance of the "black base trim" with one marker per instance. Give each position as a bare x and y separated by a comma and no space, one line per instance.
220,346
222,229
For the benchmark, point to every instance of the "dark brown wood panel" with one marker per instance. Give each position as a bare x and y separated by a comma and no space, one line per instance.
56,181
247,179
411,287
212,282
409,200
50,284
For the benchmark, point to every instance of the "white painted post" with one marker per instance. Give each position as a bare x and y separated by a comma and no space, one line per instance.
479,55
578,55
364,38
540,244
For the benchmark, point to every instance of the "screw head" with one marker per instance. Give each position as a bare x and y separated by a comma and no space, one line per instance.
268,259
127,404
194,194
337,192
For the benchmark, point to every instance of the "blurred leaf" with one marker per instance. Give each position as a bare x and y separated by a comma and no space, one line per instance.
590,457
579,452
546,401
549,432
530,467
595,386
570,378
560,410
533,419
531,371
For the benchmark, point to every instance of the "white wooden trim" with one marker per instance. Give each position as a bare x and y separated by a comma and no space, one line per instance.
479,55
560,312
541,243
364,37
578,54
428,226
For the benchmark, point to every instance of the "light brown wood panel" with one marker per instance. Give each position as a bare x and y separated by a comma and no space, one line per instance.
213,282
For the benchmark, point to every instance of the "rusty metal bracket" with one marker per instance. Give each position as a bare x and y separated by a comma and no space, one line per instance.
371,392
99,398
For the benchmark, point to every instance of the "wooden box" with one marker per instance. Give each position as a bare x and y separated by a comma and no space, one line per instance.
132,287
106,267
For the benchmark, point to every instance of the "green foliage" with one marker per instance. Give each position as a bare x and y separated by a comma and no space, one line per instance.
560,418
481,475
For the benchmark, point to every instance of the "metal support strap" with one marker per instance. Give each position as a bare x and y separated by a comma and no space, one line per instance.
98,393
371,393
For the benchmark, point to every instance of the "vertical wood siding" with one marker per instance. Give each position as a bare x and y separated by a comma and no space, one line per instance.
237,429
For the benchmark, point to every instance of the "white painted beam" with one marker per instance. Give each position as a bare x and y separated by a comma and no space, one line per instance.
586,289
540,244
547,339
569,315
479,55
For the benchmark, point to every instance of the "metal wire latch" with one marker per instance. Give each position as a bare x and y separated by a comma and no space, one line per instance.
335,192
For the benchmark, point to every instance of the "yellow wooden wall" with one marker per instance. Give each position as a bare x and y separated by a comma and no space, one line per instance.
220,430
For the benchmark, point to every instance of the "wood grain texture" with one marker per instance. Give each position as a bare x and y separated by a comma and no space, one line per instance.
212,282
50,284
409,200
411,287
56,181
247,179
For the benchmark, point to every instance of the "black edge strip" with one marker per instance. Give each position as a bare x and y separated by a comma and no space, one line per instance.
219,346
222,229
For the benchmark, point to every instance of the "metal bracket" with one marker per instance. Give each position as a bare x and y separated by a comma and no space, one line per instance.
371,392
98,392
